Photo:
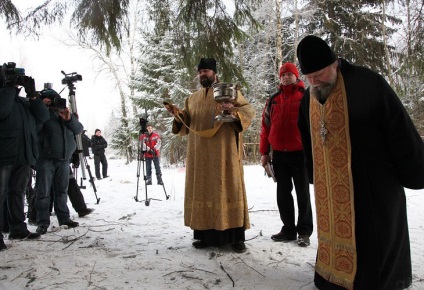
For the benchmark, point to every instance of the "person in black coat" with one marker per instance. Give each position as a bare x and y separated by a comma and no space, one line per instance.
57,144
98,146
361,150
86,144
18,152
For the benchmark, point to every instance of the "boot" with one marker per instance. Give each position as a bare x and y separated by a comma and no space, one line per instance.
85,212
149,180
2,245
159,177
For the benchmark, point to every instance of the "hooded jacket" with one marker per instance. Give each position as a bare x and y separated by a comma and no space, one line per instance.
279,120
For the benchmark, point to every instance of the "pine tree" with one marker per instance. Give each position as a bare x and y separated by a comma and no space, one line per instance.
409,81
162,77
352,28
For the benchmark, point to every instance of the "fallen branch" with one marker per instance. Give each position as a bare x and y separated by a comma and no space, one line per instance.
64,239
222,267
251,267
107,230
254,237
180,271
197,269
262,210
91,272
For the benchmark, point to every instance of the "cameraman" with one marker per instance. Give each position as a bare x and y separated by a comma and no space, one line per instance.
57,143
18,151
152,142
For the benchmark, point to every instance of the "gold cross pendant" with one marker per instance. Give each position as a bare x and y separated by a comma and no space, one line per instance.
323,131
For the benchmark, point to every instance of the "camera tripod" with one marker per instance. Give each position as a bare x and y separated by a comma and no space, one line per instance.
69,80
90,180
141,163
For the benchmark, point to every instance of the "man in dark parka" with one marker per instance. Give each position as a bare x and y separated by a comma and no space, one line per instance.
98,146
56,146
386,154
18,152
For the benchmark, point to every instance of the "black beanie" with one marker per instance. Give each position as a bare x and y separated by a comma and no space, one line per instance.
314,54
207,63
49,93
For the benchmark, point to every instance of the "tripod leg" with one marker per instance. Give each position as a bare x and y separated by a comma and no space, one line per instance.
138,174
91,179
147,201
164,190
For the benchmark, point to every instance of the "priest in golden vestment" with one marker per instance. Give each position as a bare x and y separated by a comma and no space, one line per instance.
361,150
215,204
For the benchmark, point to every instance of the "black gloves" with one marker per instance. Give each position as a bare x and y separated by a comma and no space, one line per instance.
29,84
10,81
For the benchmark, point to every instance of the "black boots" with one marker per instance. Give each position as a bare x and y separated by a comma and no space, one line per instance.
149,180
85,212
159,177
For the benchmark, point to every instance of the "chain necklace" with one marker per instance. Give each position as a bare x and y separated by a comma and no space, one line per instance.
322,130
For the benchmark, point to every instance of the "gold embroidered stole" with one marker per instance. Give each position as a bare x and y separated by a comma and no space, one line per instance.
334,195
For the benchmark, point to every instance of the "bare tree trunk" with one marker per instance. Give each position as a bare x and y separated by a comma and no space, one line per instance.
279,40
386,49
296,29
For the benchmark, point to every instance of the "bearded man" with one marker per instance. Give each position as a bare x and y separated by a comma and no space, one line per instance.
215,204
361,150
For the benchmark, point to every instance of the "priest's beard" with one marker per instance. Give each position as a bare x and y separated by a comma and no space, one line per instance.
206,82
323,91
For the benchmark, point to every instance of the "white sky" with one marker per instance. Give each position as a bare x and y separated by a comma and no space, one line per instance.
44,60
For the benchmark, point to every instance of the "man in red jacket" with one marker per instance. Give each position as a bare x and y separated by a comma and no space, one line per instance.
152,142
280,143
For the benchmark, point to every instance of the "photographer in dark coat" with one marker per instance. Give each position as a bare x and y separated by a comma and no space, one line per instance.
18,152
86,144
98,146
57,144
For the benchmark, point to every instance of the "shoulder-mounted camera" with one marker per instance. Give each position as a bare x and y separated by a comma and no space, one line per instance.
12,76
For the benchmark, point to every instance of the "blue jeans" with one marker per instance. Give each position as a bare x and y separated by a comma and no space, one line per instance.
52,172
13,183
149,167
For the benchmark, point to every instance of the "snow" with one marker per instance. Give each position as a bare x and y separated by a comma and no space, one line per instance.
125,244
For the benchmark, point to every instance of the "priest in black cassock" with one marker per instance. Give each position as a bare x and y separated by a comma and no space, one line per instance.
361,150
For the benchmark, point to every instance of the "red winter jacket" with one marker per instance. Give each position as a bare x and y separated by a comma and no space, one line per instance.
279,120
153,142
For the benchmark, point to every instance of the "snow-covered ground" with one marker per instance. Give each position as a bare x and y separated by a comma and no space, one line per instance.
125,244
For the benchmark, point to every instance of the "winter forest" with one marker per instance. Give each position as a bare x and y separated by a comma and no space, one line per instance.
150,50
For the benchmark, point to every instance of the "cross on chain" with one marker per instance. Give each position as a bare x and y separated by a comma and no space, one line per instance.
322,131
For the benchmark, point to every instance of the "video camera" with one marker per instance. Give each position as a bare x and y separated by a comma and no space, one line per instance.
144,122
11,76
58,102
71,78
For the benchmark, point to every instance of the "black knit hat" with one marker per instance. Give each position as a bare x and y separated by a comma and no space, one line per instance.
207,63
314,54
49,93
